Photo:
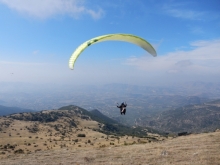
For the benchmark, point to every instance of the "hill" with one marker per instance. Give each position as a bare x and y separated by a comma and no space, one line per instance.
198,149
68,127
70,135
192,118
10,110
110,126
101,117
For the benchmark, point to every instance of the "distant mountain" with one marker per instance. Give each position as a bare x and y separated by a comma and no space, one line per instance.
192,118
10,110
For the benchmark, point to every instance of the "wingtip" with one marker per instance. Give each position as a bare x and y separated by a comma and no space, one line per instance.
71,68
155,54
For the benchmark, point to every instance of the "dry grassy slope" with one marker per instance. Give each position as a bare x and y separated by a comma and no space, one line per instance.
27,137
196,149
31,142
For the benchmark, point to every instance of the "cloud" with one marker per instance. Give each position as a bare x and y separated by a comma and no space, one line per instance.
95,14
202,61
199,63
183,63
182,10
48,8
186,14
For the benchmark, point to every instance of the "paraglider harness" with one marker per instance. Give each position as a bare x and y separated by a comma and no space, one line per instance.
122,107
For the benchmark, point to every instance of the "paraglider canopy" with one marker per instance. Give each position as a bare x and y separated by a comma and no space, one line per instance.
117,37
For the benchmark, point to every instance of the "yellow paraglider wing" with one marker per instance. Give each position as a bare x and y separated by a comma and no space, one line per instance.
117,37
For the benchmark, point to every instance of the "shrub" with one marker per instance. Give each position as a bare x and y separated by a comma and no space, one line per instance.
11,146
81,135
19,151
102,146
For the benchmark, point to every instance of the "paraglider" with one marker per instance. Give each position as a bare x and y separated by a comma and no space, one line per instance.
113,37
122,108
116,37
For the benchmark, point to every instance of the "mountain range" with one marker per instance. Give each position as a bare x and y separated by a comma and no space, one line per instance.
10,110
198,118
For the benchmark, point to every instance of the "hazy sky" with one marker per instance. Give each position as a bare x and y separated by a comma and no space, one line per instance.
37,39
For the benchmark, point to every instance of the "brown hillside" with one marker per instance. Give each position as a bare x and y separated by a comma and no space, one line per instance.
28,133
30,142
198,149
68,137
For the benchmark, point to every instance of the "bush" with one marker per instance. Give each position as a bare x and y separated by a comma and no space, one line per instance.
81,135
102,146
19,151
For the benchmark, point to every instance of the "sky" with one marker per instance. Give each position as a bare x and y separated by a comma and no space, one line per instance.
37,39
